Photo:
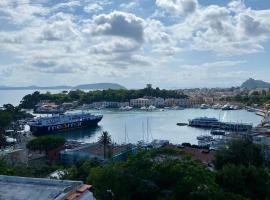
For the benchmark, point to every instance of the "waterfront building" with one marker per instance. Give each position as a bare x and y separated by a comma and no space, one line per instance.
69,105
140,102
95,151
122,104
22,188
13,156
48,107
182,102
263,139
105,104
147,101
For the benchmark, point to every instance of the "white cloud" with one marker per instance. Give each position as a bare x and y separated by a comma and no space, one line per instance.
93,8
118,24
181,7
67,5
44,38
224,31
129,6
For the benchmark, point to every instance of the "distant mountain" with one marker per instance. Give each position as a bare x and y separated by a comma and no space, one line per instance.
94,86
252,84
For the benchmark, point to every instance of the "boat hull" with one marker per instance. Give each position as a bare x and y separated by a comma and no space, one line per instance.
53,129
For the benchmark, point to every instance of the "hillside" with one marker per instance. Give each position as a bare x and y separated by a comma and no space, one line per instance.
94,86
252,84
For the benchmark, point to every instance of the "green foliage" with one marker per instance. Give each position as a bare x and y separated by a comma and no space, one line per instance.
81,170
105,140
29,101
259,98
144,176
239,152
5,169
36,169
3,141
46,143
251,182
9,114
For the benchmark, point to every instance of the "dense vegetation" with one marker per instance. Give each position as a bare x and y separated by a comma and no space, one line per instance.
260,98
35,169
167,173
30,100
9,114
45,143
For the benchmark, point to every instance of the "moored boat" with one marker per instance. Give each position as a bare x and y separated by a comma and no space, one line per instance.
217,132
62,122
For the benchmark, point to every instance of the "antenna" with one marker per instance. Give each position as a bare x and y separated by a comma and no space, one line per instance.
143,131
126,135
147,131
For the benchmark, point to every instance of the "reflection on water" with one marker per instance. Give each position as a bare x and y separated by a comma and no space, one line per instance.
81,135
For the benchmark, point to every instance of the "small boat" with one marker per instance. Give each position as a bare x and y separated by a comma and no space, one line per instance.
216,106
143,108
181,124
205,138
151,108
251,110
217,132
227,107
204,106
125,108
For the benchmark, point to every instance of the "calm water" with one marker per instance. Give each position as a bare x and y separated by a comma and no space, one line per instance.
15,96
161,125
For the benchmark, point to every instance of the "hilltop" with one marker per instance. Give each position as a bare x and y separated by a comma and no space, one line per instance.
252,84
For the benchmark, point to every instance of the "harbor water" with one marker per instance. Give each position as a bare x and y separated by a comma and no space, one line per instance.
135,125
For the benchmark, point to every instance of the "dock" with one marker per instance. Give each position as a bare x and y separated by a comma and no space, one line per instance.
227,126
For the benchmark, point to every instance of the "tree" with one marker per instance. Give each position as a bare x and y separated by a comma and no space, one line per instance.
251,182
239,152
105,140
46,143
4,168
3,141
149,176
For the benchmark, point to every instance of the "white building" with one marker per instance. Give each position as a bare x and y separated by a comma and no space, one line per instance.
149,101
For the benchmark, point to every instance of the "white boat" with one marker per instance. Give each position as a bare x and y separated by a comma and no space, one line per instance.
216,106
125,108
204,106
143,108
151,108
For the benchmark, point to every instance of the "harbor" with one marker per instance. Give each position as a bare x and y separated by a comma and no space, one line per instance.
136,125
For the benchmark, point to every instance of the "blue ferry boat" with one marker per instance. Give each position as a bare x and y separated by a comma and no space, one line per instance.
62,122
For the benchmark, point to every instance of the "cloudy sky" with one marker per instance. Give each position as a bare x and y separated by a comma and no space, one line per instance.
169,43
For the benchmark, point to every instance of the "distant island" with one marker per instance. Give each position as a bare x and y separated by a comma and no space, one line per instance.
252,84
93,86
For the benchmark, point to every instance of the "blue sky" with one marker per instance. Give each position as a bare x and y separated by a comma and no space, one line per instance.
169,43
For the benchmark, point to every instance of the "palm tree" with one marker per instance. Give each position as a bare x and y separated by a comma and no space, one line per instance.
105,140
2,140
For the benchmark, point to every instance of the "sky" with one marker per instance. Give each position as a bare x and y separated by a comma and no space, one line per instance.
169,43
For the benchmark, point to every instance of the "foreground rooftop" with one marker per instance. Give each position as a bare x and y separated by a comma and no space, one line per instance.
22,188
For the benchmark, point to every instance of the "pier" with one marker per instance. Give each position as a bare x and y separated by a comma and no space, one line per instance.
227,126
